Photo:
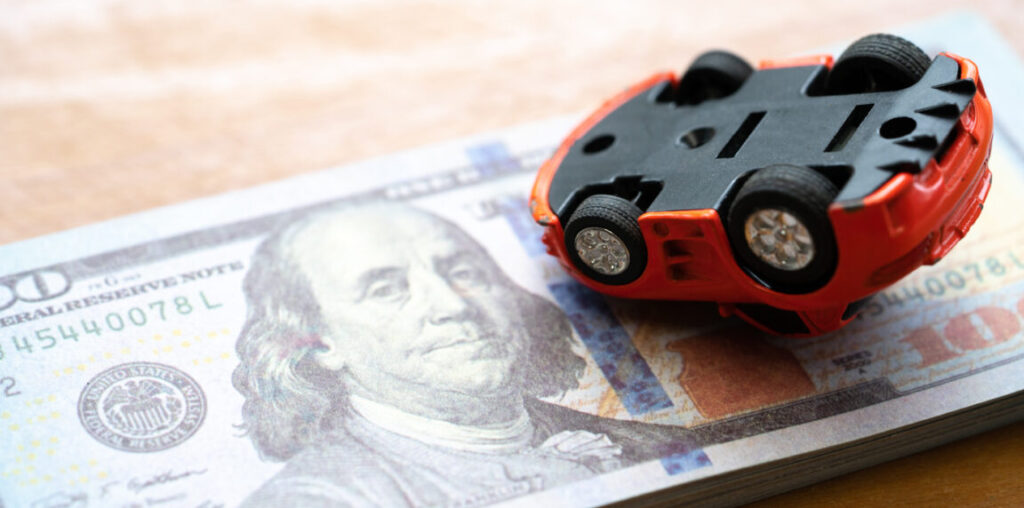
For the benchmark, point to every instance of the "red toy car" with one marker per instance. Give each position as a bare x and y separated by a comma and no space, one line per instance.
789,194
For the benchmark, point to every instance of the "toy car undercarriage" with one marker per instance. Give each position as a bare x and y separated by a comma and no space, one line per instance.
786,194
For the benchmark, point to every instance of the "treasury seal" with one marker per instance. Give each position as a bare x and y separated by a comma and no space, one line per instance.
142,407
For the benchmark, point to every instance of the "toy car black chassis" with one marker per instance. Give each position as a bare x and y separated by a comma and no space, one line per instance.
785,193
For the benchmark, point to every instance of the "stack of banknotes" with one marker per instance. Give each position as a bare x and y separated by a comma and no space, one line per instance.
393,333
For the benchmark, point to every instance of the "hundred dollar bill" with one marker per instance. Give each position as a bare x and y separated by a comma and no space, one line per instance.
392,333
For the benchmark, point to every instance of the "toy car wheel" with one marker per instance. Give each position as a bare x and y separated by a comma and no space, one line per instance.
712,75
779,228
604,241
877,63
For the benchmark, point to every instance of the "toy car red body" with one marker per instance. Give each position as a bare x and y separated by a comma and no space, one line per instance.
788,195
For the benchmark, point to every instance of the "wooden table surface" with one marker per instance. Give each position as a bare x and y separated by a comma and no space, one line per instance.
117,106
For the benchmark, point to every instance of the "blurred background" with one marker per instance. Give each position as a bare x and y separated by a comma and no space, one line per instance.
111,107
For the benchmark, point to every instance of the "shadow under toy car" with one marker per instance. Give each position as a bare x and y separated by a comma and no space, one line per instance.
788,195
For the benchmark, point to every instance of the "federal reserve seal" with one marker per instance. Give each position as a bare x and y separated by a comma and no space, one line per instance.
142,407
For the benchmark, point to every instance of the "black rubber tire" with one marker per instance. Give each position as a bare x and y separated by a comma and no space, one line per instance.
618,216
712,75
806,195
877,63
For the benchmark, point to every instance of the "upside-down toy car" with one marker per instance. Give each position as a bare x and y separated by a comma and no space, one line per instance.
788,194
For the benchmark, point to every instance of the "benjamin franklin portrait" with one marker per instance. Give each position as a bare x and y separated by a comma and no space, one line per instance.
387,360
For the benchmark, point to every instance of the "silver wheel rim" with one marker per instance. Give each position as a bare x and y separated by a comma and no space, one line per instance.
780,239
602,250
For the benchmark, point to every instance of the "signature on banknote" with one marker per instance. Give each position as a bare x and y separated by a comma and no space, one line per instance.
63,499
135,492
137,485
